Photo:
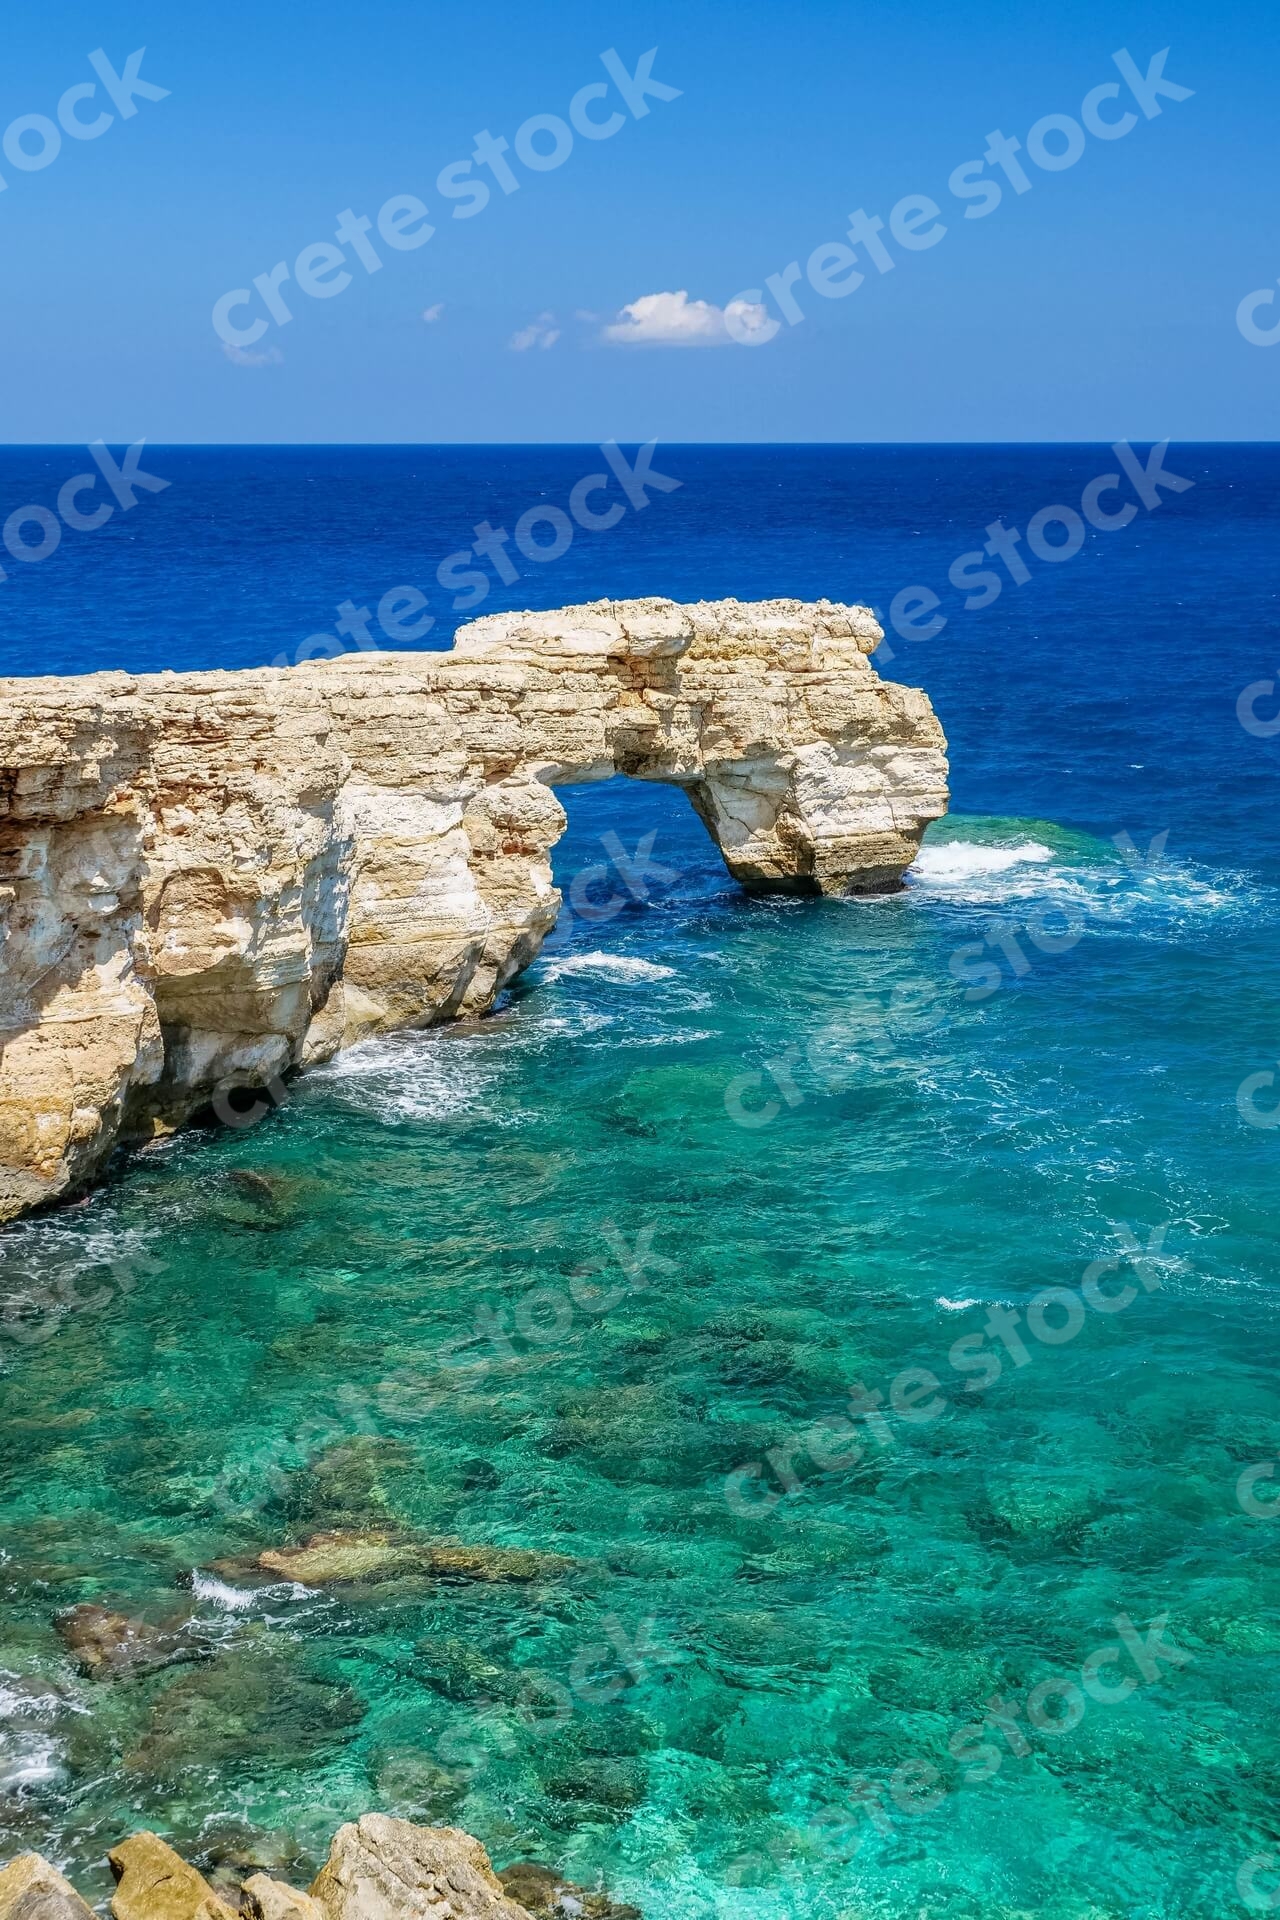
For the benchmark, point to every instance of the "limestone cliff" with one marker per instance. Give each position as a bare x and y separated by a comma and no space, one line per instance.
209,879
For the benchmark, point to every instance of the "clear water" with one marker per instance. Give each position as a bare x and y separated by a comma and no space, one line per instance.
530,1282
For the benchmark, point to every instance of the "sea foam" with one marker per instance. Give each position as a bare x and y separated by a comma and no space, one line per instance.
618,967
967,860
217,1593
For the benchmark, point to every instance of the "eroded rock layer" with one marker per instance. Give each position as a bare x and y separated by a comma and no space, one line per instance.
210,879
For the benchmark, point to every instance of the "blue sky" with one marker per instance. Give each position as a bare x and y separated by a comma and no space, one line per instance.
1101,302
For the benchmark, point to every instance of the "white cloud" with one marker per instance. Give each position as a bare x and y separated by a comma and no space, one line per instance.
432,314
542,332
240,358
674,320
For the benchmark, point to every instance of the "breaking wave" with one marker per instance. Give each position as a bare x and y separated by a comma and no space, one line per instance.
1100,885
618,967
964,859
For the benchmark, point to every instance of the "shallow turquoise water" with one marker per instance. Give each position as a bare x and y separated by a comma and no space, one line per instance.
532,1283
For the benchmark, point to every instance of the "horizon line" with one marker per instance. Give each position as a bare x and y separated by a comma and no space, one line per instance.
24,446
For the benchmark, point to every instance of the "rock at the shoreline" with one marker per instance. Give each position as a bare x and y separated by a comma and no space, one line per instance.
369,1557
213,879
384,1869
113,1645
549,1897
30,1889
154,1883
268,1899
378,1869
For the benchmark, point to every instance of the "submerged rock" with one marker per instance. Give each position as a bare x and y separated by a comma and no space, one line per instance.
611,1785
113,1645
352,1485
451,1559
236,1849
548,1897
30,1889
268,1700
460,1670
337,1558
419,1787
384,1869
641,1434
263,1202
368,1557
154,1883
257,1186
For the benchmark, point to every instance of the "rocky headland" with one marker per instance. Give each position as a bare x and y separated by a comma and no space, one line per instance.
211,880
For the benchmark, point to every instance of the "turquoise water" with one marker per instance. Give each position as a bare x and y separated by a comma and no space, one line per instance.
531,1282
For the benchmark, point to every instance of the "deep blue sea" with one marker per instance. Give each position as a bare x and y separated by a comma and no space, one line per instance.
877,1300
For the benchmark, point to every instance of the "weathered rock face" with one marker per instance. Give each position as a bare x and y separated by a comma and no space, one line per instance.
30,1889
155,1883
267,1899
384,1869
209,879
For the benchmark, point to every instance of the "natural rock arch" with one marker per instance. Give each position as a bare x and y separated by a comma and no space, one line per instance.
218,877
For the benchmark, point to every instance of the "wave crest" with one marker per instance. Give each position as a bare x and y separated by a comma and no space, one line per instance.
617,967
